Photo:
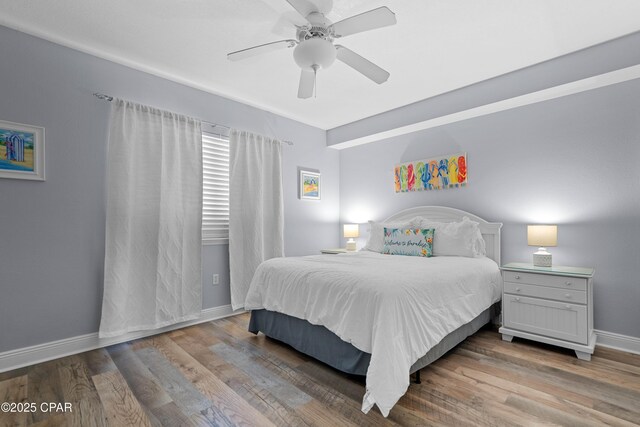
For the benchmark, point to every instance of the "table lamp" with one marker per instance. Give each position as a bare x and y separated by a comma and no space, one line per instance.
542,236
351,231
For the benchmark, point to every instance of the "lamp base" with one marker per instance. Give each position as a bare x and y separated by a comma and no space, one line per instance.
542,258
351,245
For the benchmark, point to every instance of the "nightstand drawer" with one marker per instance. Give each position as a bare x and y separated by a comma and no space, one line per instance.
569,295
549,318
563,282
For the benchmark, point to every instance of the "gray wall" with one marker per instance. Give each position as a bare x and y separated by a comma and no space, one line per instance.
571,161
52,232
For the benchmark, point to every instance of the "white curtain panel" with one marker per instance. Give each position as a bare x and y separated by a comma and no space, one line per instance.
256,218
152,274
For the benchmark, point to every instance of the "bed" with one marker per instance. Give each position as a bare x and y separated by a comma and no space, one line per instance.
383,316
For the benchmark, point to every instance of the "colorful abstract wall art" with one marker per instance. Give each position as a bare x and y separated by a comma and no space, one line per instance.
432,174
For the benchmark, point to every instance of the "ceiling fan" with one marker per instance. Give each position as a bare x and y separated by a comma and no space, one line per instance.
314,47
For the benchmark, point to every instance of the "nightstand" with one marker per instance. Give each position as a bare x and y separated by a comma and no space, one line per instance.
553,305
333,251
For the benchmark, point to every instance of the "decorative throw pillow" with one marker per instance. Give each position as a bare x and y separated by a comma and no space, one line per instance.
375,242
408,241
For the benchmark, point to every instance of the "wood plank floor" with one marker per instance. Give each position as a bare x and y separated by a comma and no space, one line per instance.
218,374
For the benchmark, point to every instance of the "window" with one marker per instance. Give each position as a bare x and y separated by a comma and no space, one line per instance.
215,189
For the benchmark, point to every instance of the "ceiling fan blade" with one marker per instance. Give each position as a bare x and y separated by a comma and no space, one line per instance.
286,20
304,7
376,18
260,49
362,65
307,82
287,16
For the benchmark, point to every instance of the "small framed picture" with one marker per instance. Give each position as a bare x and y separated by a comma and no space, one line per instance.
310,185
21,151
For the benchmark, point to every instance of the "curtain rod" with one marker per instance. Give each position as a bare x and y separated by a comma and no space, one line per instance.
110,98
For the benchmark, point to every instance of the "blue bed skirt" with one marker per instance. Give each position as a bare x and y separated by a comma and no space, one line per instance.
325,346
313,340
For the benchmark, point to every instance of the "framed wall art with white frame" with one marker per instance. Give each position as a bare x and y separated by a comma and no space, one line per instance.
310,185
21,151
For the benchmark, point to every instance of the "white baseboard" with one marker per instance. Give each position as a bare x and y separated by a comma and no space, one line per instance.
21,357
618,342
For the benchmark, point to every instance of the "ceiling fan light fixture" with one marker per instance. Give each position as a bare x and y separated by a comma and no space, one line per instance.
316,51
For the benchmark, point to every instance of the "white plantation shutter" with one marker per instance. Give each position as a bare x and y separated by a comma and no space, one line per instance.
215,189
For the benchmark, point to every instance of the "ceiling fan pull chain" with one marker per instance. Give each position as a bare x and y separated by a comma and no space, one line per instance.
315,80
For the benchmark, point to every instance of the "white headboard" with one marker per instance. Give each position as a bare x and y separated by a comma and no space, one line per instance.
490,230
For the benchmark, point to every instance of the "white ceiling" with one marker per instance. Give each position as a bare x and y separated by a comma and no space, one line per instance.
436,46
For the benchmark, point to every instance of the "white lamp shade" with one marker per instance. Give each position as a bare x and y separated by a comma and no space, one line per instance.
351,230
542,235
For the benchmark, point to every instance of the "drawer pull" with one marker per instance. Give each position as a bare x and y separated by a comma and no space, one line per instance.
568,296
567,306
517,289
567,283
517,299
517,277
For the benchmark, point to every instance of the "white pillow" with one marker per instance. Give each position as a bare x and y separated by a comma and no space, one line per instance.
456,238
480,246
375,243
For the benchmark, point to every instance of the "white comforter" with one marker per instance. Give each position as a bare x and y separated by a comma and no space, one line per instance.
394,307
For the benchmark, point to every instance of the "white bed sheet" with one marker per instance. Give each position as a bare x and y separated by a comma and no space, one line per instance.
394,307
